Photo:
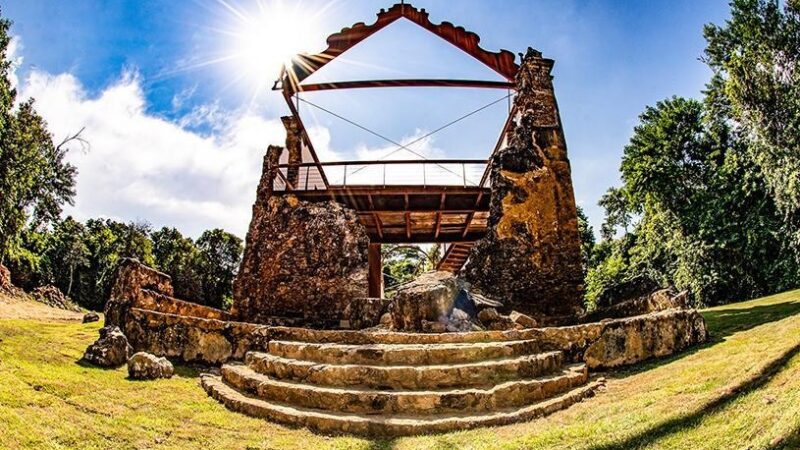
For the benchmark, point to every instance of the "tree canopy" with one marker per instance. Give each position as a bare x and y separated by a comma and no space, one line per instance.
713,184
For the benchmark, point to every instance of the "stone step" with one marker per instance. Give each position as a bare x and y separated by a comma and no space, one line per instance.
382,425
483,373
515,393
401,354
353,337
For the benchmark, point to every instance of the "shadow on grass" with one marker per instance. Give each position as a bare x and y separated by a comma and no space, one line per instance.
686,421
789,442
724,322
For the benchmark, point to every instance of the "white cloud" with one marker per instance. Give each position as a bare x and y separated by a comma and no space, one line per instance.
144,167
13,53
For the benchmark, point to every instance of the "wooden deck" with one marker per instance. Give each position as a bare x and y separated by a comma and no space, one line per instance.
413,214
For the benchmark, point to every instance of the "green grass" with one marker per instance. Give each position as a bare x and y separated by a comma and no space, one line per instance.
741,390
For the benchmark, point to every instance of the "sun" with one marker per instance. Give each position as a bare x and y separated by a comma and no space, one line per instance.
265,39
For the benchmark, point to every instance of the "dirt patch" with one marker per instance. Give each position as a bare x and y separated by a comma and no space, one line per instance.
15,307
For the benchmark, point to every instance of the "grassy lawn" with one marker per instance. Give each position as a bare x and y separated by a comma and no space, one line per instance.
742,390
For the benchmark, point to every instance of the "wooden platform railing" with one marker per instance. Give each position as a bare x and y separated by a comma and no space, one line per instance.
381,173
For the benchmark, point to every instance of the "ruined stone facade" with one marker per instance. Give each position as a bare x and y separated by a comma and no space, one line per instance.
530,258
303,262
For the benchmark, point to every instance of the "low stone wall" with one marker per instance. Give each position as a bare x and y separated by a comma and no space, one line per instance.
607,344
193,339
621,342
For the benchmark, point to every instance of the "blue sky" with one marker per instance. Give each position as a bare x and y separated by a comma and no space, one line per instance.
178,113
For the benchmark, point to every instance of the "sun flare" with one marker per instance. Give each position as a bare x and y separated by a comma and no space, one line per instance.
265,39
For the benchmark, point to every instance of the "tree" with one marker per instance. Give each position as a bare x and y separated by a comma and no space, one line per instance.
706,222
35,181
178,257
587,239
219,256
67,253
618,213
107,241
755,57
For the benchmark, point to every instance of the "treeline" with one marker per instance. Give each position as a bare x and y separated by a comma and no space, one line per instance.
710,195
80,259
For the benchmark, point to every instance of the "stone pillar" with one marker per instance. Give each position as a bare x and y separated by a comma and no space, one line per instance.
375,271
294,148
530,258
303,261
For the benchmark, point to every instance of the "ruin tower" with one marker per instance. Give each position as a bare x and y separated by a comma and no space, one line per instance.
530,258
303,261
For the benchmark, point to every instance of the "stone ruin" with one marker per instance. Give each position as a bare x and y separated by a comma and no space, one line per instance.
507,333
305,262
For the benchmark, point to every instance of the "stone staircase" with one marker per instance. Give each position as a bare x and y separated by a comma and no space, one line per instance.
393,389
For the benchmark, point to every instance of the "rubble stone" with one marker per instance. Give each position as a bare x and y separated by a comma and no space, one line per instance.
659,300
91,317
365,312
130,278
523,320
52,296
110,350
632,288
144,366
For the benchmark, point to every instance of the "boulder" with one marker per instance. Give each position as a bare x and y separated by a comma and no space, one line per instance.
145,366
91,317
110,350
431,297
53,297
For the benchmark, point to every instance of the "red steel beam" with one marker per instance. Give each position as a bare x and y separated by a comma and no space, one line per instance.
484,84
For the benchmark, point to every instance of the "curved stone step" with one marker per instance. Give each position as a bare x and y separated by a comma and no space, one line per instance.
360,337
481,373
380,425
515,393
402,354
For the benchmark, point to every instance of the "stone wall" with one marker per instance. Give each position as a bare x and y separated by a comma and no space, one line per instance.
530,258
138,286
602,345
303,262
193,339
621,342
